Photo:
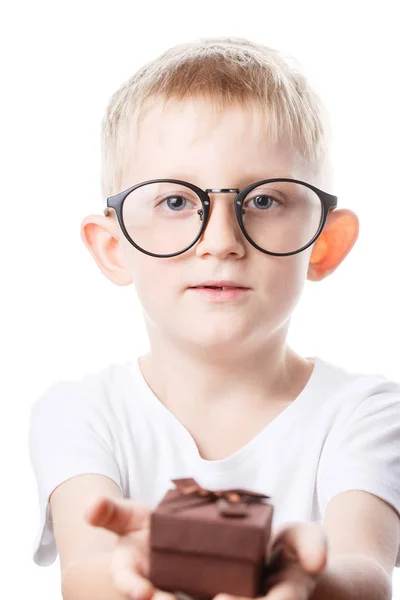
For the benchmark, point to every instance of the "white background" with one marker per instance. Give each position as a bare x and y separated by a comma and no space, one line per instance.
61,61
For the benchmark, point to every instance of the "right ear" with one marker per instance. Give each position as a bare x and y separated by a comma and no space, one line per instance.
101,237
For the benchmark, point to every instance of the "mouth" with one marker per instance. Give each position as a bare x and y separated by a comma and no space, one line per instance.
216,287
221,291
219,285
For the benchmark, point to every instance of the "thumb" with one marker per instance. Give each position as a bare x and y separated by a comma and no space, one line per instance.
121,516
305,542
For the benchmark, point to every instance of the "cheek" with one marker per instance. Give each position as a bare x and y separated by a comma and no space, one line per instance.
153,280
148,279
285,277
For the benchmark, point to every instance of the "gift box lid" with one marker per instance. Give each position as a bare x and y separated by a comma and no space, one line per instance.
200,528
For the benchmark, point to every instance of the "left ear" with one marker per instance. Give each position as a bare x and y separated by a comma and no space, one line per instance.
333,245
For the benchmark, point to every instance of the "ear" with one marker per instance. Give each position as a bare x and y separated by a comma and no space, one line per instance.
333,245
101,237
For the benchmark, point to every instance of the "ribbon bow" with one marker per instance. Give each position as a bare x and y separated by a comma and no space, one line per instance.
231,503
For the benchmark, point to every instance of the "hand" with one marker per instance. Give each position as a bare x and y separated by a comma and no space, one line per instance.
299,555
130,563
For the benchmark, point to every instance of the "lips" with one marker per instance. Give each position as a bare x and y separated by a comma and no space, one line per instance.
219,285
216,287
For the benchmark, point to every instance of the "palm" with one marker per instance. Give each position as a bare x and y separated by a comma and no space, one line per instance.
131,557
298,556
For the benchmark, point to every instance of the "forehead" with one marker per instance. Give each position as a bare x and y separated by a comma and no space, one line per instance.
191,140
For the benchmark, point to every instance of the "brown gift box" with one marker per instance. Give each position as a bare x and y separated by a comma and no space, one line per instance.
204,542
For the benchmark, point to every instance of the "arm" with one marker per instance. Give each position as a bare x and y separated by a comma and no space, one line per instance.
90,578
103,542
363,535
353,577
85,552
351,558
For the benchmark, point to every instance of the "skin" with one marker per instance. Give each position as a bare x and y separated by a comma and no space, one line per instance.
233,357
301,553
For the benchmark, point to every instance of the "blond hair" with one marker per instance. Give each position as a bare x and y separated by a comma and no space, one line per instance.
225,71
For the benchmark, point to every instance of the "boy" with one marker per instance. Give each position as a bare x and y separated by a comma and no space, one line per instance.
216,170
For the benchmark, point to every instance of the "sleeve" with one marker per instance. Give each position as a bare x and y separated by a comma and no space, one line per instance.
365,453
68,436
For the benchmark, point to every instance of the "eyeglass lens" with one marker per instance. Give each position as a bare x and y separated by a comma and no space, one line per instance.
164,218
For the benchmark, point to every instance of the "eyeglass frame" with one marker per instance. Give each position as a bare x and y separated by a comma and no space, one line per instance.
328,203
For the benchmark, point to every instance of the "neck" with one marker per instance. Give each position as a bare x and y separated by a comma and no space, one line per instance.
194,382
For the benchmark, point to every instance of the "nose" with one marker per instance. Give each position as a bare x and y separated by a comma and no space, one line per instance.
222,236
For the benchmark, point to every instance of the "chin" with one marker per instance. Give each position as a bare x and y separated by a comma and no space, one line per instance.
219,339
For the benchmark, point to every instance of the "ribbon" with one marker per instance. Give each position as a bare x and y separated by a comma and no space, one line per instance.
230,503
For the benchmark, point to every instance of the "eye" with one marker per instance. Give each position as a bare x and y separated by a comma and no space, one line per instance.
263,201
175,203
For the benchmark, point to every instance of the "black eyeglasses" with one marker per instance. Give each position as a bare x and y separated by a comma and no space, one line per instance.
166,217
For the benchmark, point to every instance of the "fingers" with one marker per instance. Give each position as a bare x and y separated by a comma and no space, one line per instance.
120,516
289,591
130,570
292,583
143,546
305,542
127,568
160,595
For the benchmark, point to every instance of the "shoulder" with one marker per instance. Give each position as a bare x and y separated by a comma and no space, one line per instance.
93,394
360,446
351,393
362,428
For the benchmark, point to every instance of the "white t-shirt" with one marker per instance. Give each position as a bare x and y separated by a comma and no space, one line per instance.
342,432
